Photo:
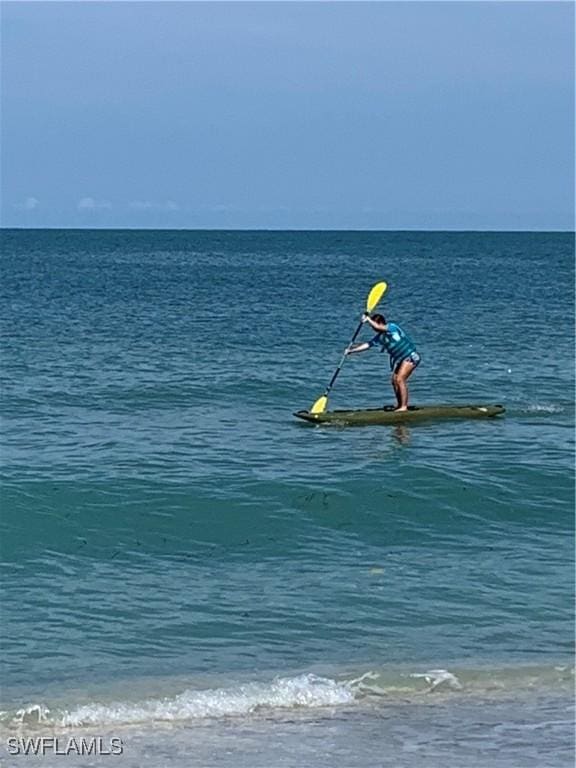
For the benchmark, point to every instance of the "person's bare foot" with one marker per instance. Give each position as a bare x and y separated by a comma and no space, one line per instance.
401,410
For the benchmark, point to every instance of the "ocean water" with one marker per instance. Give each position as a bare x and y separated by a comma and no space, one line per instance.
188,568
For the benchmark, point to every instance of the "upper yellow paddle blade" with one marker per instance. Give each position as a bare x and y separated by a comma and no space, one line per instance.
320,405
375,295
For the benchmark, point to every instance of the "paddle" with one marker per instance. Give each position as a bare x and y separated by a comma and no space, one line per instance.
373,298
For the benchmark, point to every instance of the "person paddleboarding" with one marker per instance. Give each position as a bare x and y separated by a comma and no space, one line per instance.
404,358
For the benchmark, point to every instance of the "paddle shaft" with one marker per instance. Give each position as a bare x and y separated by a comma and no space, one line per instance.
374,297
337,371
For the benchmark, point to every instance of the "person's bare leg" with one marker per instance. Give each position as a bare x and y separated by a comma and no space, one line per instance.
401,376
396,390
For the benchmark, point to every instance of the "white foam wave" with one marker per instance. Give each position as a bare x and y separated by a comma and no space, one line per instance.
304,691
33,714
437,678
544,408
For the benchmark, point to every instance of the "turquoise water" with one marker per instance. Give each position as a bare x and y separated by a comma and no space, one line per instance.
178,552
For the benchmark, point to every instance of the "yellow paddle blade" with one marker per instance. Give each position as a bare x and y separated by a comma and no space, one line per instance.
320,405
375,295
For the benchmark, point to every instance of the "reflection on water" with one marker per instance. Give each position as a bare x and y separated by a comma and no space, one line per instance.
402,434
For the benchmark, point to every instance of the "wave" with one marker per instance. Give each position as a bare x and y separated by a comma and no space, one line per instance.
543,408
302,692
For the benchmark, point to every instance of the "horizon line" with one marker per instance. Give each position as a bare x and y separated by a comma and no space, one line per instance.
277,229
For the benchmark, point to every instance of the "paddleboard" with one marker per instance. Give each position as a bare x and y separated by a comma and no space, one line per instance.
415,413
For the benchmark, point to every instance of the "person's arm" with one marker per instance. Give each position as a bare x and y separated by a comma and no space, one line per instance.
362,347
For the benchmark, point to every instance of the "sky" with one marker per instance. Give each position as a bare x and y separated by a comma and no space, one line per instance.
293,115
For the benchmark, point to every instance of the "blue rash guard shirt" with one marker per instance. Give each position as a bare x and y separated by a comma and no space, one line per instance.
396,342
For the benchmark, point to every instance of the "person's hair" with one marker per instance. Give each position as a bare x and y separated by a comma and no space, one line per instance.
379,318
